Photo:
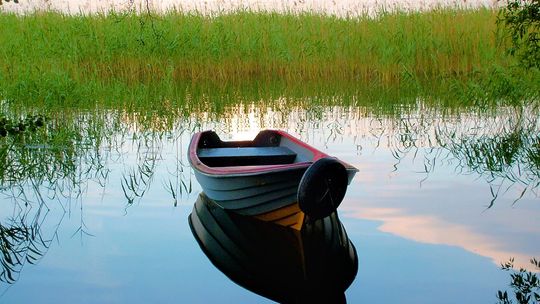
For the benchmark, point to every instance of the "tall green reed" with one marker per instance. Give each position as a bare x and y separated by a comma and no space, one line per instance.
50,57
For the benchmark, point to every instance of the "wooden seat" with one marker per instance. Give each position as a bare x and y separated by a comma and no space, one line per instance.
246,156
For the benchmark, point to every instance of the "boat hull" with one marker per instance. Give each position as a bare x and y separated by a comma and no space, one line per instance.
258,188
255,194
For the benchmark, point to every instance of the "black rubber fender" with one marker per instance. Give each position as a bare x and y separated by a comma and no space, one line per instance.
322,188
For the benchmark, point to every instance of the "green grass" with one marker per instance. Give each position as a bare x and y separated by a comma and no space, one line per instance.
50,57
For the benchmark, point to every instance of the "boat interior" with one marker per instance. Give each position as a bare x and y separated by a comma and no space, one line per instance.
267,148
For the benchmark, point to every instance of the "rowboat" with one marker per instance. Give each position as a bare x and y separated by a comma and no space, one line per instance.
314,265
275,177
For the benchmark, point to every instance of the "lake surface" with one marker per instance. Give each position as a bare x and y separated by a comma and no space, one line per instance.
100,213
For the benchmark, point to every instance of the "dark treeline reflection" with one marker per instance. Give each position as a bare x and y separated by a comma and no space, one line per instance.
314,265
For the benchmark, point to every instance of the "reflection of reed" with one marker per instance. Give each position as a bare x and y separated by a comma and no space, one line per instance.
50,169
506,160
77,147
39,172
316,264
137,182
22,237
500,144
20,243
179,185
503,148
59,156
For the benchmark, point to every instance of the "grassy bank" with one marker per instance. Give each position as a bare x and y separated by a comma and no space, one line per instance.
49,57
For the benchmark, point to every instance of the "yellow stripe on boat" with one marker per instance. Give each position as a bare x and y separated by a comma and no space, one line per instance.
288,216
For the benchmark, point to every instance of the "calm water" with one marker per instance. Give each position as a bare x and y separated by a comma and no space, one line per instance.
103,216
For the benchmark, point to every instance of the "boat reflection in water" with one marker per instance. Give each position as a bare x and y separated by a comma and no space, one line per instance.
313,265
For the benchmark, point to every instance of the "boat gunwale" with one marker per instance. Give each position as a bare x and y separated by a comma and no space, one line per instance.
234,171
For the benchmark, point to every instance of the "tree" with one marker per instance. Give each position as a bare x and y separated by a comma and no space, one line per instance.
519,20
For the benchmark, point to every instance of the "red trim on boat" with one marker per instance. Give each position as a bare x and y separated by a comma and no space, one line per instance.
227,171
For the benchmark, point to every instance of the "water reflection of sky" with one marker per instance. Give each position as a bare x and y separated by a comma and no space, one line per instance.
421,237
445,210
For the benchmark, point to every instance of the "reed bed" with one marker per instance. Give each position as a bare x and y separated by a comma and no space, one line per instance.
49,56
